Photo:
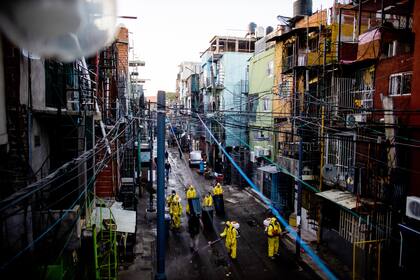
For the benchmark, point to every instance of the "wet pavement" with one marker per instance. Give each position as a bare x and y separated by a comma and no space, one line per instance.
212,262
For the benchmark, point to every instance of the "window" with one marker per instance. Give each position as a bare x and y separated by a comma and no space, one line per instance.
400,84
270,69
266,104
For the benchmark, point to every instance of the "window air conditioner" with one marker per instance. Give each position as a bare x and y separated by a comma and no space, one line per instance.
252,157
353,119
412,209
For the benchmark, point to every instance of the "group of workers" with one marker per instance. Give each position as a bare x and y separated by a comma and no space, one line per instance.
231,231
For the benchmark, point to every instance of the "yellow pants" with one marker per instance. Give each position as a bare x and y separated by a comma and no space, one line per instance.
273,246
176,221
233,250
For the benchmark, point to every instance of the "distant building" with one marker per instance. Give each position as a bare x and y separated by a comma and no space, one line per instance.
224,87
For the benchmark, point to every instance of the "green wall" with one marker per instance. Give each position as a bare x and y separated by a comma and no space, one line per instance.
260,87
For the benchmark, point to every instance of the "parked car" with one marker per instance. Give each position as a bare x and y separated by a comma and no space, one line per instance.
195,158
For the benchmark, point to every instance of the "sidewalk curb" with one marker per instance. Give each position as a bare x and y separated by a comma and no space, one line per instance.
305,260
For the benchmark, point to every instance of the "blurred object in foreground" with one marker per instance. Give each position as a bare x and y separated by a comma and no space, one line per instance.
62,29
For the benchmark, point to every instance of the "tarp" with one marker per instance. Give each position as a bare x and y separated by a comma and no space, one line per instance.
369,36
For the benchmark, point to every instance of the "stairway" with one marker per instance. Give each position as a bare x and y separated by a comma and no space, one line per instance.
105,186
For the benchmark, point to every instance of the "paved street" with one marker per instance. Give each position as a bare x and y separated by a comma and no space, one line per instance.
213,262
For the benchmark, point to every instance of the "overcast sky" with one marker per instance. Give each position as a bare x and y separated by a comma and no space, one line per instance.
167,32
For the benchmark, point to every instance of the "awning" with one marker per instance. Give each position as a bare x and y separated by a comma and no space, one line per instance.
124,219
292,33
342,198
272,169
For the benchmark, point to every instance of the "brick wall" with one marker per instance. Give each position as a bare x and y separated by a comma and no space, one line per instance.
122,48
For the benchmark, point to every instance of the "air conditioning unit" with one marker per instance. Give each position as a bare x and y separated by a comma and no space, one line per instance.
412,209
252,157
353,119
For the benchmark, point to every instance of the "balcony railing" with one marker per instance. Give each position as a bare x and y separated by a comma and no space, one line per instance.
344,98
69,86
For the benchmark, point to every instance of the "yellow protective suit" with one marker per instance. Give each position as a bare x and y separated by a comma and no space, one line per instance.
191,193
217,190
208,201
175,211
273,234
171,198
231,234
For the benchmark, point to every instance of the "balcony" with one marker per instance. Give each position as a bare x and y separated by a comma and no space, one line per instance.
218,84
69,86
347,96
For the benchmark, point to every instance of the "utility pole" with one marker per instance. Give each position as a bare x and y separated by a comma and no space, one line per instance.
150,125
161,236
299,196
324,62
319,232
139,154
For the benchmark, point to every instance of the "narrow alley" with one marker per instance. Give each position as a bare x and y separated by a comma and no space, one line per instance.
120,118
213,262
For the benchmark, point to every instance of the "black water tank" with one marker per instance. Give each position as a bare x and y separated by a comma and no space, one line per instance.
251,27
268,30
302,8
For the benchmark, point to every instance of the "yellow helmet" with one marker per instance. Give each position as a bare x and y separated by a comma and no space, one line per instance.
228,223
273,220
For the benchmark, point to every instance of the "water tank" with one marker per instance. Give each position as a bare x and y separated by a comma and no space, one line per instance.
268,30
251,27
302,8
260,32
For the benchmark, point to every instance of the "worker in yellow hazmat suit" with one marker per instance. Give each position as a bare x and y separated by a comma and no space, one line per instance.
191,193
173,196
218,190
208,200
218,200
230,233
175,211
273,234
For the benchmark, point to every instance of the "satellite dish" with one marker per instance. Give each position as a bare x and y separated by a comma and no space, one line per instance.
329,172
61,29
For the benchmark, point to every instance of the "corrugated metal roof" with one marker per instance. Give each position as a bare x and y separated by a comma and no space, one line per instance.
124,219
342,198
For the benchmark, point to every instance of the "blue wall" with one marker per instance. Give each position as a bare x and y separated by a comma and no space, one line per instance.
235,70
